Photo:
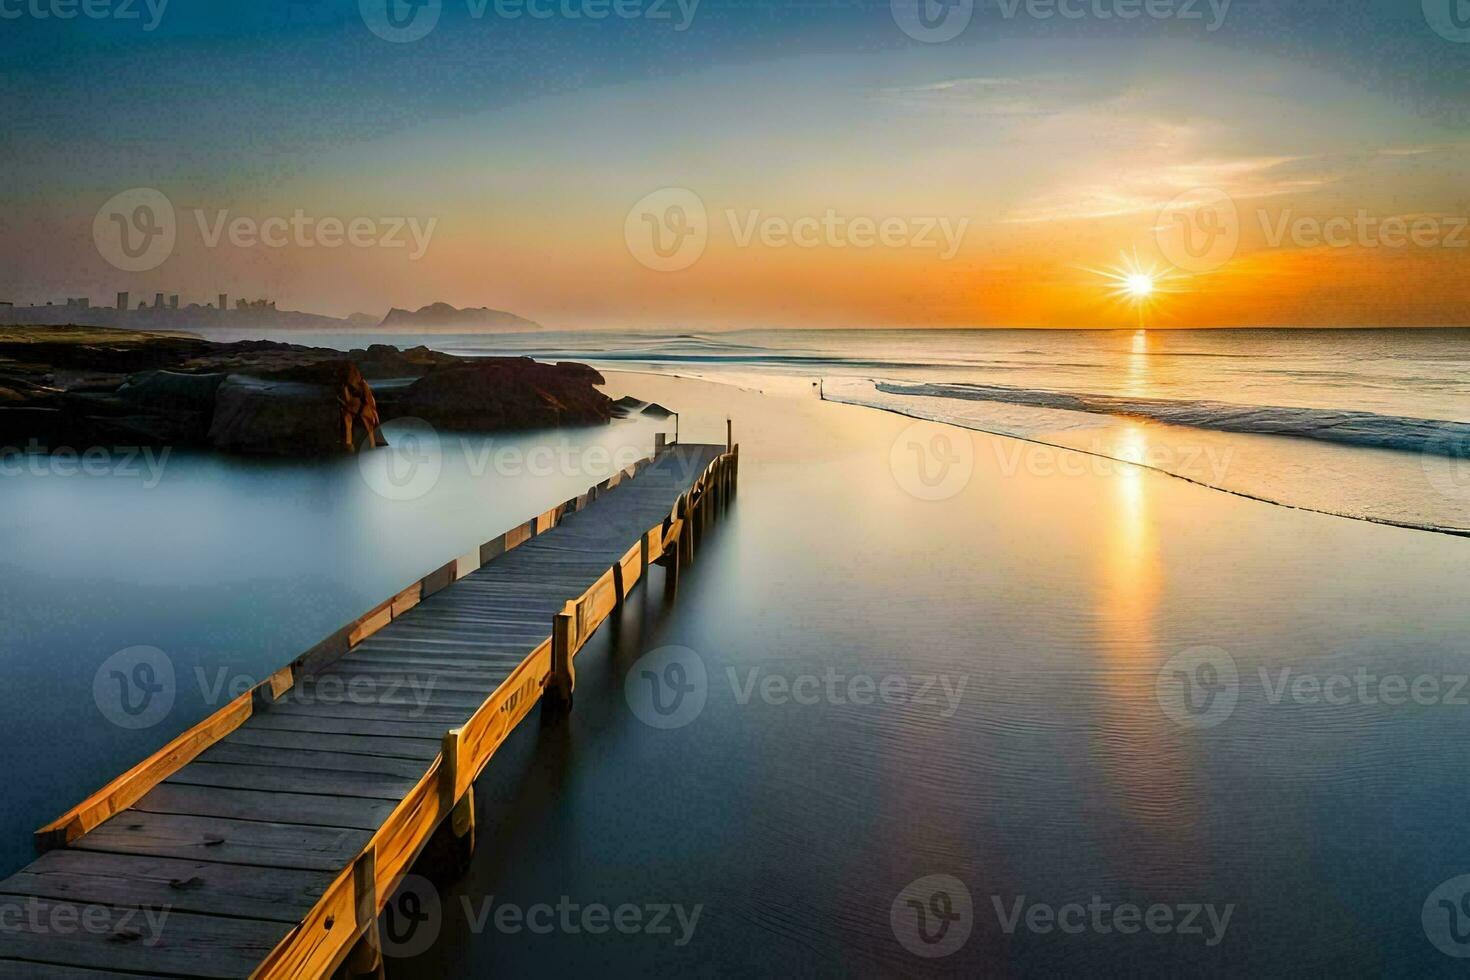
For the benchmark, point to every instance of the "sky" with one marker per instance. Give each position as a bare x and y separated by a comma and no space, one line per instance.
712,165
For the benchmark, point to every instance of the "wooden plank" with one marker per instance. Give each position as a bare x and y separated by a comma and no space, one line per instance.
416,749
244,804
392,728
126,789
249,842
157,942
281,778
130,881
30,970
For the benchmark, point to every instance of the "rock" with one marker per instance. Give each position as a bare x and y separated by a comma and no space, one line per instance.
315,410
502,393
628,407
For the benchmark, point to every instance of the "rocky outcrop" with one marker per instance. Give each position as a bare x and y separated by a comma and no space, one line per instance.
503,393
317,410
80,387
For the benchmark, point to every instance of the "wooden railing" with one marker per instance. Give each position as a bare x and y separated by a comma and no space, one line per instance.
346,914
348,911
126,789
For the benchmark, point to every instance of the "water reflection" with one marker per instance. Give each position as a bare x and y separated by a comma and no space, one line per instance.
1150,779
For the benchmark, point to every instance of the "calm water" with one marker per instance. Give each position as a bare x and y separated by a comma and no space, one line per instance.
1052,758
1379,419
1052,603
231,567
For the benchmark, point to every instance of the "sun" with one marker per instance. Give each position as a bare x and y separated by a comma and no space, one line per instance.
1137,283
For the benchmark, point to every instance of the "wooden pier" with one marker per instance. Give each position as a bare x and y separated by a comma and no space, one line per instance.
273,832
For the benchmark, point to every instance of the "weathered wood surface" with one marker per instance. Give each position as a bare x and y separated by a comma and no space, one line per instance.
271,832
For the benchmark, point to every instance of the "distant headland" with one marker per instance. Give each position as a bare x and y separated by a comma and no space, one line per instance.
165,313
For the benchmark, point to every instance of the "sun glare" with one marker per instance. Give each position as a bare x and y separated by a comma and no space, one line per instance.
1139,285
1136,283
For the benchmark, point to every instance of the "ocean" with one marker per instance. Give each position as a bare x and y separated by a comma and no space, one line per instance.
1368,424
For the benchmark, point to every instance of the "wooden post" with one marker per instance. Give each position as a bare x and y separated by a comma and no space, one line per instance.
660,441
729,434
365,959
563,677
671,566
461,822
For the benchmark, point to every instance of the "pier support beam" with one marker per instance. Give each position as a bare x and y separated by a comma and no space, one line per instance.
563,679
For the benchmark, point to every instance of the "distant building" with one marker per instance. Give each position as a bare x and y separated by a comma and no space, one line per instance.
122,301
173,302
158,301
224,301
78,303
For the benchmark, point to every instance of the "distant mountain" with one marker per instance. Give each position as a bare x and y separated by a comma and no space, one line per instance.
441,315
362,320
